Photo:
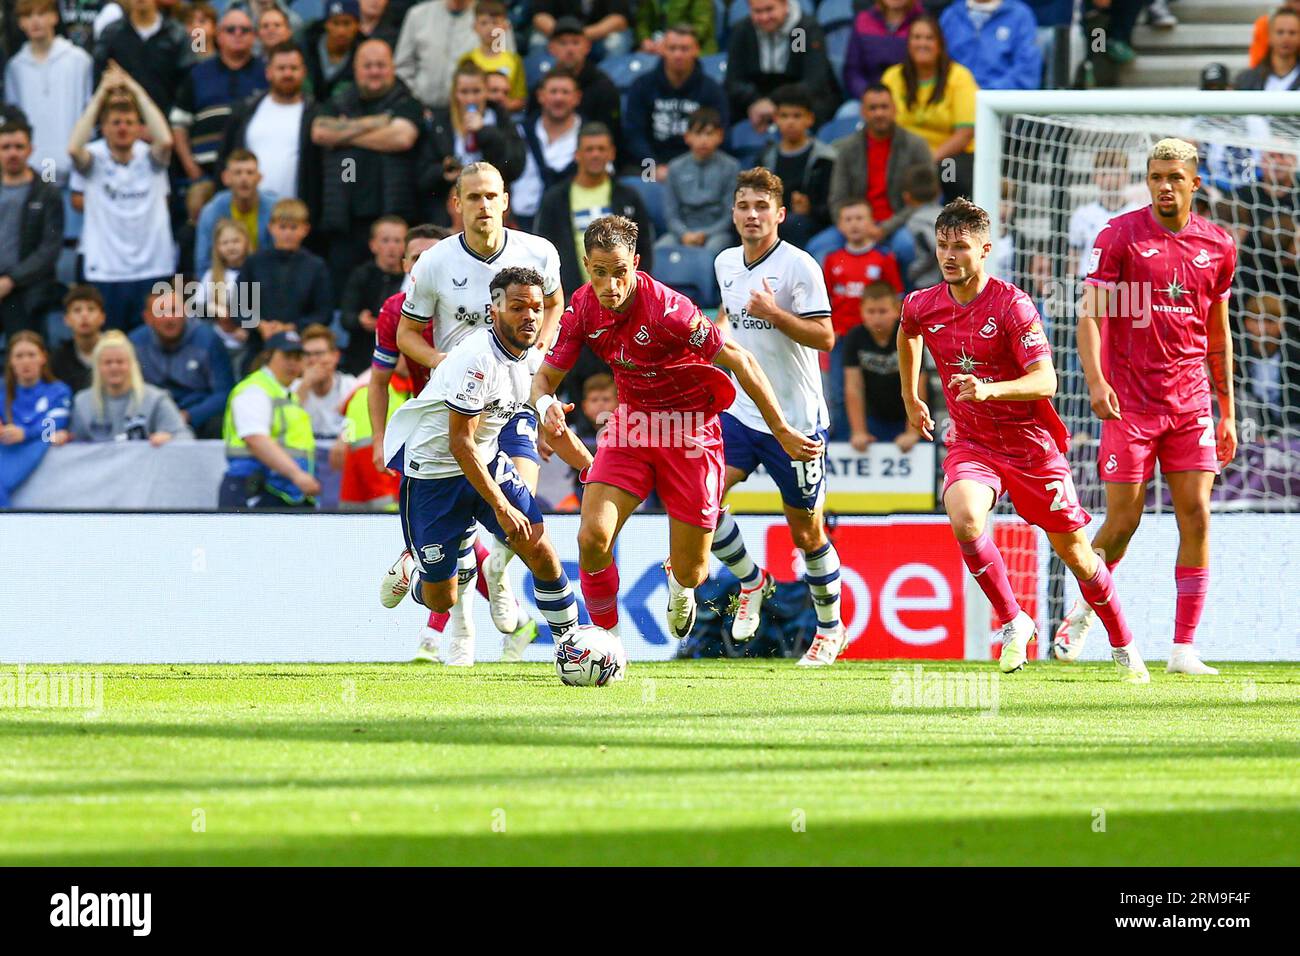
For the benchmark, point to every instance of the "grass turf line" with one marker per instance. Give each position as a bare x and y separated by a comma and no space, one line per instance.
702,762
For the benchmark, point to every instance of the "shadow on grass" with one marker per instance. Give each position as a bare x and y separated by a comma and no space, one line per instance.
1182,838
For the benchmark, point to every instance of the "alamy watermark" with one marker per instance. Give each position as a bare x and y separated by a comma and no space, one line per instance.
919,689
52,690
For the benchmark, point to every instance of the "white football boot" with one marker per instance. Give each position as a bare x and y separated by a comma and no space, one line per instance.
428,649
824,649
681,606
1067,644
1184,659
396,582
1132,669
501,596
513,645
749,604
460,651
1015,636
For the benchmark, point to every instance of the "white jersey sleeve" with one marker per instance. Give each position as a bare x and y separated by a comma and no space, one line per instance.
808,296
468,388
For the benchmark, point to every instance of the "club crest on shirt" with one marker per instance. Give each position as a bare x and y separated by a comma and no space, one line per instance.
1202,260
642,337
990,328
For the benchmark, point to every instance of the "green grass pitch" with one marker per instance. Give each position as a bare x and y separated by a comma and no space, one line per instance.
710,762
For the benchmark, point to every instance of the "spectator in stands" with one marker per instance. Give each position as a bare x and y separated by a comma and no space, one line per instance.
604,22
150,46
997,41
1111,177
50,80
375,155
83,314
126,236
1280,68
330,47
210,90
803,163
921,202
569,207
879,41
368,288
375,24
323,389
697,205
243,201
435,35
498,94
1057,23
935,99
220,296
275,126
272,29
551,137
473,130
872,165
1259,39
491,24
31,233
655,19
660,103
256,8
294,288
363,485
572,50
200,23
270,449
1265,381
1266,209
35,412
871,395
762,54
119,405
848,271
186,357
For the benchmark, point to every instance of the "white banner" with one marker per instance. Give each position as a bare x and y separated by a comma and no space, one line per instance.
882,480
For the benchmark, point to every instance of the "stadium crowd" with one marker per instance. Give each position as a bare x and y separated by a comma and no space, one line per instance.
191,190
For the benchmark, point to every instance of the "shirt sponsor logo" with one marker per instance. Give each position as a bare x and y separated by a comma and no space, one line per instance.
1033,337
699,334
597,334
936,328
1094,261
460,283
1148,253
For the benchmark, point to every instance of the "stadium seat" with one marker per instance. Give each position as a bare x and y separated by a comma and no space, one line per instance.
848,108
721,27
689,270
737,13
652,194
627,67
835,13
715,66
836,128
536,65
837,48
745,143
309,10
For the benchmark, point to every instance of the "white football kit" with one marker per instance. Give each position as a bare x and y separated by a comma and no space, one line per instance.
794,371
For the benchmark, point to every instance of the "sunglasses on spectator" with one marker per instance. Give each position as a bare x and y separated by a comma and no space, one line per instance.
237,29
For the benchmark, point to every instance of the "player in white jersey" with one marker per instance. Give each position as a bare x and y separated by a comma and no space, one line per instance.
449,287
446,442
774,296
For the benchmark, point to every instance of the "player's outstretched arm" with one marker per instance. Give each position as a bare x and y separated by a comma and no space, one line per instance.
554,308
1092,310
460,441
1039,381
377,409
741,363
411,343
571,451
1219,356
909,372
550,410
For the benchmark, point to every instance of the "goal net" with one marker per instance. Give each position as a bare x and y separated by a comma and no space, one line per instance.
1052,167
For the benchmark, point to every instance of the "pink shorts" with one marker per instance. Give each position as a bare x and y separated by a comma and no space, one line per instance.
1043,494
1131,445
684,466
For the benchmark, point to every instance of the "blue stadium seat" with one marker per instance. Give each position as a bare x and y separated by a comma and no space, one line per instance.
721,28
627,67
848,108
715,66
652,194
745,143
835,13
737,13
689,270
309,10
536,65
839,127
837,48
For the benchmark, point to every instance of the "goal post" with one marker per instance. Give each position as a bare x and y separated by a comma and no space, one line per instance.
1050,168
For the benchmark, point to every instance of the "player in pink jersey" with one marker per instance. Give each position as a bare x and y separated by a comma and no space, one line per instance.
1155,312
987,340
665,435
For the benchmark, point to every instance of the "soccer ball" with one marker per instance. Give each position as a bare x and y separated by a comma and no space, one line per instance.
590,657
